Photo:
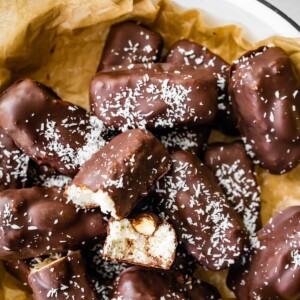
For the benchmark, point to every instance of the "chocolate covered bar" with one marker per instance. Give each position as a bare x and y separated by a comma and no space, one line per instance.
235,173
39,221
143,240
130,43
205,223
265,92
13,164
139,283
49,130
64,278
120,174
189,53
273,269
161,96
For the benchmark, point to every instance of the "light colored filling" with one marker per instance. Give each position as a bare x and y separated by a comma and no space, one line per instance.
123,243
86,198
46,262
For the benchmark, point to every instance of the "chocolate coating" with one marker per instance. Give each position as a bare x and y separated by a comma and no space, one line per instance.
49,130
13,164
265,93
125,169
38,221
65,278
130,43
189,53
206,224
157,96
137,283
235,173
273,269
183,138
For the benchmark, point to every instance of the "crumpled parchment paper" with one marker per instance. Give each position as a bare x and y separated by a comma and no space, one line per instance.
59,42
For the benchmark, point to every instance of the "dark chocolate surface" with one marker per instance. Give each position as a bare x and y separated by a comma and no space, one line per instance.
49,130
189,53
235,173
265,93
125,169
159,96
38,221
13,164
206,224
273,269
130,43
65,278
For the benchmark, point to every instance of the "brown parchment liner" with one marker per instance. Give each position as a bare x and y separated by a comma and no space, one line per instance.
59,43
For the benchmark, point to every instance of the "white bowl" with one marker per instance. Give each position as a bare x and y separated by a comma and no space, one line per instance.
258,19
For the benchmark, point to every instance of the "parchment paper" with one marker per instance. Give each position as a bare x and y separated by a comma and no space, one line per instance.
59,42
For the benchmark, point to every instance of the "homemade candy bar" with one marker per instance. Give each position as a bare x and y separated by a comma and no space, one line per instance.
49,130
137,283
265,93
13,164
184,263
120,174
188,139
39,221
189,53
130,43
143,240
273,269
64,278
159,96
206,224
235,173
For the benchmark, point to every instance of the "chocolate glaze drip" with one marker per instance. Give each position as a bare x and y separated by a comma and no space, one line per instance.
265,94
49,130
38,221
272,271
130,43
206,224
157,96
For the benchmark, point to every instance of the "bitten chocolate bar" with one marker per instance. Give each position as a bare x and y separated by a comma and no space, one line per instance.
143,240
130,43
189,53
39,221
13,164
120,174
272,270
159,96
205,223
265,92
64,278
235,173
49,130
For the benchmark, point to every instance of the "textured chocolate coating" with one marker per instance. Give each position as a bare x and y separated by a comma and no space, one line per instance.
125,169
137,283
157,96
235,173
206,224
65,278
265,94
38,221
130,43
49,130
183,138
13,164
189,53
273,270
